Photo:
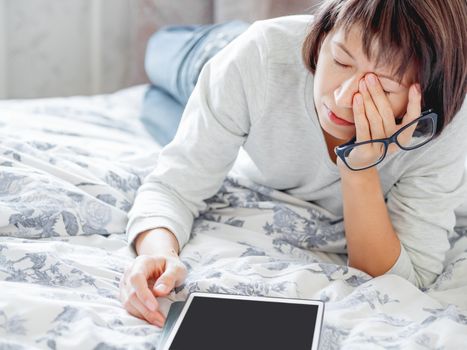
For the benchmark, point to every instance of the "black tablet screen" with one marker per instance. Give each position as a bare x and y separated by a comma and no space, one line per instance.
215,323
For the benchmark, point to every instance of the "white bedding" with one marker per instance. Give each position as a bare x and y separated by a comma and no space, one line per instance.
69,169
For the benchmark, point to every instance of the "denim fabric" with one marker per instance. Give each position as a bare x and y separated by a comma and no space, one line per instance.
161,114
174,58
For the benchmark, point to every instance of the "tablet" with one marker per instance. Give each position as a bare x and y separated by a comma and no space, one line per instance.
225,321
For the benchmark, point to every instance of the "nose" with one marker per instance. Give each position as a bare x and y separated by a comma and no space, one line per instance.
343,94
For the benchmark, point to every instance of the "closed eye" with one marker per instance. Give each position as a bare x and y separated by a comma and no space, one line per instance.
340,64
347,66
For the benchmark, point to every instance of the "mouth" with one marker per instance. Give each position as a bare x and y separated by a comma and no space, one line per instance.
335,119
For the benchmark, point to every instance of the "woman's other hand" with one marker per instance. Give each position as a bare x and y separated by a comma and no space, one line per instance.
147,278
154,273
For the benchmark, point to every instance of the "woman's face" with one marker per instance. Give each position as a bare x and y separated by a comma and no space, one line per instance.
340,67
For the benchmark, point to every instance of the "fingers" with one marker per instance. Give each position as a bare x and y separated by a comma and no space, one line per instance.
381,103
135,294
173,276
362,127
413,112
155,318
414,107
375,120
144,268
136,308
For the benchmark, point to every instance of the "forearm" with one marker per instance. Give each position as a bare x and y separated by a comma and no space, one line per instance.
372,243
159,241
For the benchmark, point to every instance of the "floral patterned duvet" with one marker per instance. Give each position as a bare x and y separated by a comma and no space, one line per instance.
69,170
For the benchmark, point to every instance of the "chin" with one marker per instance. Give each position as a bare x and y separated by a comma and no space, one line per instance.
343,137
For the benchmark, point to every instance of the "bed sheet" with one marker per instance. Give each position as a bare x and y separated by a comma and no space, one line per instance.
69,171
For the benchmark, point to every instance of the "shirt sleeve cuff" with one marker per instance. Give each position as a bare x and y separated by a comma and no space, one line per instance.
403,267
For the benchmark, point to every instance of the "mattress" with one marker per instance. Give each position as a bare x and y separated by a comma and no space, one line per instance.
69,172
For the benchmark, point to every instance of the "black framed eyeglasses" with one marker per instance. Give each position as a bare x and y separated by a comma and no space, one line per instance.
366,154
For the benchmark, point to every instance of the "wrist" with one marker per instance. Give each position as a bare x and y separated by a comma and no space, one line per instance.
158,241
357,176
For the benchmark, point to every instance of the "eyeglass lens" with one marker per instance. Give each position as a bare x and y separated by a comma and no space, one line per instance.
369,154
365,155
417,133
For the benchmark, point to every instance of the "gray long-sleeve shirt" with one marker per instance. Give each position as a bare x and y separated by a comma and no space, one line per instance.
252,113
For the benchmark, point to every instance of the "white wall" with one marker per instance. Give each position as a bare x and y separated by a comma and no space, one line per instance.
70,47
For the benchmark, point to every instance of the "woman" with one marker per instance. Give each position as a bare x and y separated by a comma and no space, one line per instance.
376,68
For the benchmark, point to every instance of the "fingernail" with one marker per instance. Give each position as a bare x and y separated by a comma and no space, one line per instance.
419,89
161,287
371,79
151,306
159,320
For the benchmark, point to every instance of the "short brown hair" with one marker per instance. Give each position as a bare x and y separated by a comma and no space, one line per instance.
431,34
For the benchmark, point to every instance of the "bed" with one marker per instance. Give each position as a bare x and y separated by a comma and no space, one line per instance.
69,171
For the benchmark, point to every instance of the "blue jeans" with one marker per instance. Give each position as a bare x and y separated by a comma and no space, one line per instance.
174,58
